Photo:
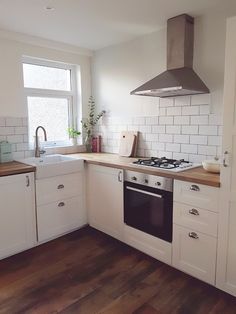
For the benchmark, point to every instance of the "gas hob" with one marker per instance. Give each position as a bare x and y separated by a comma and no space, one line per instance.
166,164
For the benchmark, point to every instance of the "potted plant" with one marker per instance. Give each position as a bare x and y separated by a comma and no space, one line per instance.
89,123
73,134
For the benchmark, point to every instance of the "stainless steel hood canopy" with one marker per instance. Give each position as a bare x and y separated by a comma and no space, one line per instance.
180,78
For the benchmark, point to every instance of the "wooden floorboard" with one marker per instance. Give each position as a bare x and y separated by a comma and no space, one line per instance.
90,272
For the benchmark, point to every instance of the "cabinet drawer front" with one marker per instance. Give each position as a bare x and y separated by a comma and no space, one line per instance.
53,189
195,256
60,217
195,218
196,195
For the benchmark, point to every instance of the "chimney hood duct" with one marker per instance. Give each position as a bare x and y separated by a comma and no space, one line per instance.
180,78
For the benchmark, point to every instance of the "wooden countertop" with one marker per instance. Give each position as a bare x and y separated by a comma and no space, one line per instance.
15,167
196,175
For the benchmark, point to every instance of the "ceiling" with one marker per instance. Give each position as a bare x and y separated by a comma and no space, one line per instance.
95,24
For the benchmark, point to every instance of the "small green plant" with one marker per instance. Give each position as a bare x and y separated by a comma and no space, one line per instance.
73,133
92,120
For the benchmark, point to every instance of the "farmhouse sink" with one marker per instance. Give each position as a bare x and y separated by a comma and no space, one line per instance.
54,165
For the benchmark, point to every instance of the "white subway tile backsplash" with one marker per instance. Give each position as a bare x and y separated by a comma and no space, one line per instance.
190,129
207,150
204,109
208,129
166,120
182,120
190,110
198,139
15,138
215,119
14,121
21,130
182,101
7,130
182,139
139,121
158,129
165,138
173,111
145,128
158,146
215,140
151,120
173,129
188,148
166,102
152,137
162,111
184,128
173,147
181,156
199,120
203,99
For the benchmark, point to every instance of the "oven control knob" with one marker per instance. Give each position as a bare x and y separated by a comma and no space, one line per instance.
133,178
158,183
146,181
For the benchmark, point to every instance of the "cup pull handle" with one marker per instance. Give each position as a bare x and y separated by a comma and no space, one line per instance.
60,186
61,204
193,235
195,188
194,212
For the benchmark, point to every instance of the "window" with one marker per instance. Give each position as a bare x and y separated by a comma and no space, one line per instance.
50,89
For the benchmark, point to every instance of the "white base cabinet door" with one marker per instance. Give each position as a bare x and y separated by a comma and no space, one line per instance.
194,253
17,212
57,218
105,199
60,205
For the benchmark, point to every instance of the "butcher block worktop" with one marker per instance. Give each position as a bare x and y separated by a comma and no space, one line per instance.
14,167
196,175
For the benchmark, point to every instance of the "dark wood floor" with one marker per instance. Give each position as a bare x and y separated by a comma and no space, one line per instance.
89,272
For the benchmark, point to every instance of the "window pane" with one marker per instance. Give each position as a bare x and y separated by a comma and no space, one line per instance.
52,114
37,76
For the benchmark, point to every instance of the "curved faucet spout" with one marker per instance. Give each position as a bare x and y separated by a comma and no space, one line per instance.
37,149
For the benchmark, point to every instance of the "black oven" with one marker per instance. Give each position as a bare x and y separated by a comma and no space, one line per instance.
148,204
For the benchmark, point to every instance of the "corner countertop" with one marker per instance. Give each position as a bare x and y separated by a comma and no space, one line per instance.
196,175
15,167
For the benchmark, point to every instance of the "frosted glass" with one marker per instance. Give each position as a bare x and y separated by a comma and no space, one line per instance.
37,76
52,114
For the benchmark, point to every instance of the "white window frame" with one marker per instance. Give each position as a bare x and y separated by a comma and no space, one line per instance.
71,95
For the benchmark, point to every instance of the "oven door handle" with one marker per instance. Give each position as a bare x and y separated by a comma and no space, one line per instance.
143,192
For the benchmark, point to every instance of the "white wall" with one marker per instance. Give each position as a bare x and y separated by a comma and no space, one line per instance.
119,69
12,101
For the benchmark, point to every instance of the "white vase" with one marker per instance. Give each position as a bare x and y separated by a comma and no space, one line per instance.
73,141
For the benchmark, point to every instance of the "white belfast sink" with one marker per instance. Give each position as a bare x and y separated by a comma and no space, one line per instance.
54,165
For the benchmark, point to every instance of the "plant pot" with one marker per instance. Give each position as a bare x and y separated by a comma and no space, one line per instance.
73,141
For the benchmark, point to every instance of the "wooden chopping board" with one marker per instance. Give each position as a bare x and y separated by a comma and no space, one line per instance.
127,143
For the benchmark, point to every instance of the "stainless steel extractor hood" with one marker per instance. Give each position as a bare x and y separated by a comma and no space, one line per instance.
180,78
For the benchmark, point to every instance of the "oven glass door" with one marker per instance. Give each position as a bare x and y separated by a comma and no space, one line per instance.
149,210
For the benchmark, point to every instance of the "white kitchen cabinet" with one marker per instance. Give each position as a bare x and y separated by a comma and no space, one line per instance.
17,212
195,229
105,199
194,253
60,205
226,257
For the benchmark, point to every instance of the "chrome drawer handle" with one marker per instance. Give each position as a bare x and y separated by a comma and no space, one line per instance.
61,204
194,187
193,235
60,186
194,211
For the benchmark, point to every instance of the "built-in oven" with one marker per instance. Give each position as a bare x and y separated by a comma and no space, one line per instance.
148,204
